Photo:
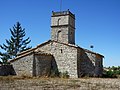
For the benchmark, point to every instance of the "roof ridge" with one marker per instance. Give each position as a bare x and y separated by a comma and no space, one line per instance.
72,45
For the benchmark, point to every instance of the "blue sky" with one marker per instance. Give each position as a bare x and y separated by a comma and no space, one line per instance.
97,23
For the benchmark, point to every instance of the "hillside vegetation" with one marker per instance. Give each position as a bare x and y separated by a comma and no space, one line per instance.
111,72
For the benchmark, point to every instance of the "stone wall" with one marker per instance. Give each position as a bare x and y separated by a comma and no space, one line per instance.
90,64
63,27
60,34
42,65
66,58
33,64
23,65
63,20
98,66
64,55
79,68
75,60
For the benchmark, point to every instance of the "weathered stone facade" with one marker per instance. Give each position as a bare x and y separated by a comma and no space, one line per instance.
63,27
32,64
42,65
73,59
90,63
63,55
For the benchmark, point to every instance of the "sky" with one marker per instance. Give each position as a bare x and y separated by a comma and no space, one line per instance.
97,23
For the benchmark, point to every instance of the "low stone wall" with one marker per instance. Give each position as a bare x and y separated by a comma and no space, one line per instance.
59,84
23,65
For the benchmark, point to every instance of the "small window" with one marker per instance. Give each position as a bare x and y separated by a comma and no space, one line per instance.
59,31
58,22
59,36
61,50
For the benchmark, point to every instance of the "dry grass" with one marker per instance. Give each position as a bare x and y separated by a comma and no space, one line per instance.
14,77
45,83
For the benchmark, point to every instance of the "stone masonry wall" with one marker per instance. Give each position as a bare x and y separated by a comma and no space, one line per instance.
63,20
65,57
90,64
98,66
42,65
63,27
60,34
79,61
24,65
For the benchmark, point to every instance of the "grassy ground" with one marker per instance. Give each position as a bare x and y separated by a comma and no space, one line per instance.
36,83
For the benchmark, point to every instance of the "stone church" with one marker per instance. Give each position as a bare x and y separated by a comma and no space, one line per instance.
60,53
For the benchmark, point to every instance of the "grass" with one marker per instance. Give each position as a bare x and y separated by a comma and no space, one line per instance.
57,83
13,77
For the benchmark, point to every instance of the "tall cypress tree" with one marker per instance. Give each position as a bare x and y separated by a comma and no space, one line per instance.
15,44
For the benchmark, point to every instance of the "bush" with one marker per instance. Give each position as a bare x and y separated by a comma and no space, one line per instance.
54,73
112,72
64,75
109,74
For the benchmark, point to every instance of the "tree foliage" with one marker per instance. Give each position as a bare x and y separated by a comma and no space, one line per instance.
112,72
15,44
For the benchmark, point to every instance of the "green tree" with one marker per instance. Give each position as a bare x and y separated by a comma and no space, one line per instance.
112,72
15,44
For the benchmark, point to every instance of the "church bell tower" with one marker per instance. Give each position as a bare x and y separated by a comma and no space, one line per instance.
63,27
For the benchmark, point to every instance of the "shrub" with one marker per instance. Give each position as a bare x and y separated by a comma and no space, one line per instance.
64,75
54,73
112,72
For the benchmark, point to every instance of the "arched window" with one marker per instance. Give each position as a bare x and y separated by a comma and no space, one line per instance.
58,22
59,35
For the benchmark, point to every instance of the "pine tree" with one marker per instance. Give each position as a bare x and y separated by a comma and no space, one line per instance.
15,44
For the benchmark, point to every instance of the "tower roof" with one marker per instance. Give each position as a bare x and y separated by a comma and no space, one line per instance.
62,13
